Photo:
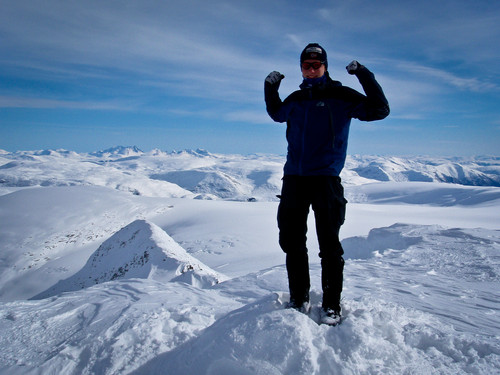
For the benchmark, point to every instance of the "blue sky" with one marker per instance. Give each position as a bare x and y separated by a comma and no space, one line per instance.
88,75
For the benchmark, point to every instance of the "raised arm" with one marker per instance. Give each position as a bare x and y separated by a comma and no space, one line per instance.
271,95
375,106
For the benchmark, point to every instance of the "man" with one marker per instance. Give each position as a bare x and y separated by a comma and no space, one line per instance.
318,117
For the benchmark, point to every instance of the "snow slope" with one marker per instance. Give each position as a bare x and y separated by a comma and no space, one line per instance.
98,279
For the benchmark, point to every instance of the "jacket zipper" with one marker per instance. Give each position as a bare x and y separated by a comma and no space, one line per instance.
330,113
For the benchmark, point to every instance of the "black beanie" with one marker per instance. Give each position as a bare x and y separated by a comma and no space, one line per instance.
314,51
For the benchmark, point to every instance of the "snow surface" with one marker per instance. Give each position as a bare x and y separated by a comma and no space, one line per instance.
125,262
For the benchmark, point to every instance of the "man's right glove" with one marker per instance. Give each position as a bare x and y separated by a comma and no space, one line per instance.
274,79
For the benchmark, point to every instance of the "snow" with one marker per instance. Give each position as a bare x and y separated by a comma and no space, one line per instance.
139,250
132,262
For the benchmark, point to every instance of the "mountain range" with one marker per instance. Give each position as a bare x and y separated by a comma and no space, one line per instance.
202,175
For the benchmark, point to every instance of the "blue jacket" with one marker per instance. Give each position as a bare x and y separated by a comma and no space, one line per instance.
318,120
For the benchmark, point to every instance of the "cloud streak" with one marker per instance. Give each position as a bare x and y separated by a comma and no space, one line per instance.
472,84
41,103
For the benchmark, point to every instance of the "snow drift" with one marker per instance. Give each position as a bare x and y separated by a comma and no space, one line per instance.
375,338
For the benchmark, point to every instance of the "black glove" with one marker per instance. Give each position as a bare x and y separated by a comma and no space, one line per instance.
274,79
354,67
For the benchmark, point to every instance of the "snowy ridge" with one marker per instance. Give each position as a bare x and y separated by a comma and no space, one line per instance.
139,250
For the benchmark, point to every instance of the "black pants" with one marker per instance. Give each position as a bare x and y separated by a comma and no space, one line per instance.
325,195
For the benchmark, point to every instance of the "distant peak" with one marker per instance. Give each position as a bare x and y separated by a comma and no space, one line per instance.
119,151
197,152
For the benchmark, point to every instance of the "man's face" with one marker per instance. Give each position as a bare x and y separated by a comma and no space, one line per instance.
312,69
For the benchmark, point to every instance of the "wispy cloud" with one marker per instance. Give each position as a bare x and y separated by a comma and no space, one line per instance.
256,117
28,102
155,44
473,84
455,30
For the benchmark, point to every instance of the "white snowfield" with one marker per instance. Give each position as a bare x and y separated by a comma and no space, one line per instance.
124,262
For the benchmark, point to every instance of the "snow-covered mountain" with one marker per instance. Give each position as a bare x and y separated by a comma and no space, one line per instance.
479,171
200,174
118,152
139,250
131,262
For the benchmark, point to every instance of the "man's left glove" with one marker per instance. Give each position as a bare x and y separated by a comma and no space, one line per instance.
274,79
354,67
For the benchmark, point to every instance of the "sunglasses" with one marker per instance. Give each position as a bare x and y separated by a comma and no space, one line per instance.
308,65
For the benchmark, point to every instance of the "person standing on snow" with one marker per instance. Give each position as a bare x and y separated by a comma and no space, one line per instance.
318,117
